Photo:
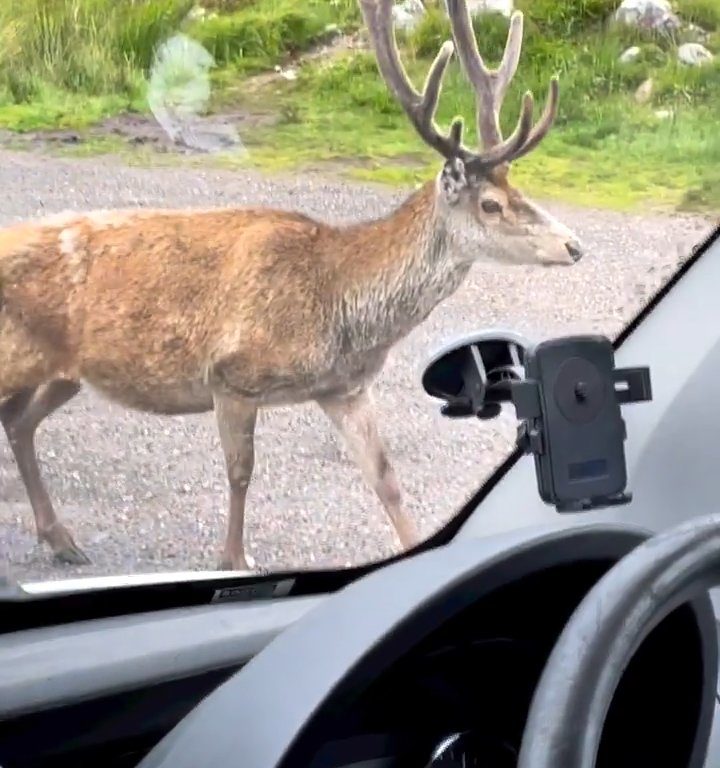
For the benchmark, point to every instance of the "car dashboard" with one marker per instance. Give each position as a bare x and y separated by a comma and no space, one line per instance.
464,680
458,697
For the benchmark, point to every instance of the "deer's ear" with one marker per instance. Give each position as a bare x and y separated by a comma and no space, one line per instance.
453,180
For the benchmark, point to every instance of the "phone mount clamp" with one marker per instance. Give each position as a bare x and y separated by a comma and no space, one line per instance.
570,420
567,395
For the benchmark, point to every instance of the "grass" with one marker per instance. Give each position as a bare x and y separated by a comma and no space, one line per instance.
70,63
260,34
56,55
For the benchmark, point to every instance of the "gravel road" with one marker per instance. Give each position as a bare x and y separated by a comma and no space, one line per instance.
145,493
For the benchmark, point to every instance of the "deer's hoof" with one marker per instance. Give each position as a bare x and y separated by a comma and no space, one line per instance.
72,555
63,546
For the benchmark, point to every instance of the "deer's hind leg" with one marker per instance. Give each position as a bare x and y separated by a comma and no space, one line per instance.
354,417
20,416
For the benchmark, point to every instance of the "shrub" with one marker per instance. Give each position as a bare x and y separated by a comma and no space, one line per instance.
87,46
567,17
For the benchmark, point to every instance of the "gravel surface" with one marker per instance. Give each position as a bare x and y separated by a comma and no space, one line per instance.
146,493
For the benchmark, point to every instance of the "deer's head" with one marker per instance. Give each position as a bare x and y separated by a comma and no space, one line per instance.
485,216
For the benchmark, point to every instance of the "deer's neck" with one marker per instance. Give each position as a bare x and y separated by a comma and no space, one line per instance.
398,269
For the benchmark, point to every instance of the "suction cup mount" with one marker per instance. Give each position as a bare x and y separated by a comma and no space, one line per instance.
567,395
473,374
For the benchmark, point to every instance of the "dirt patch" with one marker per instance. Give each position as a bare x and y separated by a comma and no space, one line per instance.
131,131
145,130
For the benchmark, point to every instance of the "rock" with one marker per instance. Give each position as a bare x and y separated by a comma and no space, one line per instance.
663,114
630,54
648,14
407,14
644,91
196,13
477,7
694,54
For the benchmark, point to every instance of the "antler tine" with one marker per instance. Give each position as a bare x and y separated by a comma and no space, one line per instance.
490,86
508,150
511,57
545,123
420,108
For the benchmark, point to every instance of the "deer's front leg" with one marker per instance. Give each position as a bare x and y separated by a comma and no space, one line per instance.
354,418
236,424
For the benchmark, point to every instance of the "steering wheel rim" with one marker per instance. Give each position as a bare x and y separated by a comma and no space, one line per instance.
249,721
619,612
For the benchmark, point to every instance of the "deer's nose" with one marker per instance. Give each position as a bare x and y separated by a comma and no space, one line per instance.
574,249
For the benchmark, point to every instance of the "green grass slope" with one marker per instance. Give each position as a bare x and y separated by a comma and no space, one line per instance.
72,62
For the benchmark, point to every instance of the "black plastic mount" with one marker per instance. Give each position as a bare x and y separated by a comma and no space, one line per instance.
567,395
569,408
473,373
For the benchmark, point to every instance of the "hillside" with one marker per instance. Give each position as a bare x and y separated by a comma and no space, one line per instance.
303,92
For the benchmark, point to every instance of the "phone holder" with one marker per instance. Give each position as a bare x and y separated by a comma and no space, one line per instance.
472,374
567,395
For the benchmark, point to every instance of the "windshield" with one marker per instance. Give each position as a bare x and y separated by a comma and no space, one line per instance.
232,239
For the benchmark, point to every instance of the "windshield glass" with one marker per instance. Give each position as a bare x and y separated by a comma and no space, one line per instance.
232,240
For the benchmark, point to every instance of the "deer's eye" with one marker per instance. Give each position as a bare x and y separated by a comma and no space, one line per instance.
491,206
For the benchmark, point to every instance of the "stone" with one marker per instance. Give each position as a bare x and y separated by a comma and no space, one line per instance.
478,7
701,35
644,91
648,14
694,54
407,14
630,54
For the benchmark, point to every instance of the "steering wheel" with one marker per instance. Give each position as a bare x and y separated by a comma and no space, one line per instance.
585,667
278,710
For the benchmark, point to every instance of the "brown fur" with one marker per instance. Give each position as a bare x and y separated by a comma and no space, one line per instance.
118,302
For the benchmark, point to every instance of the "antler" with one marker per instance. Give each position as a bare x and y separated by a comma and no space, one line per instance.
420,108
489,85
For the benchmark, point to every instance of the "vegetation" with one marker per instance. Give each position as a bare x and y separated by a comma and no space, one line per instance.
72,62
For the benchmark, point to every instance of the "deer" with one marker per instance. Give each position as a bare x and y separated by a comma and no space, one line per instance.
231,310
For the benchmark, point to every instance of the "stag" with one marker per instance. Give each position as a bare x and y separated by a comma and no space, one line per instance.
236,309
